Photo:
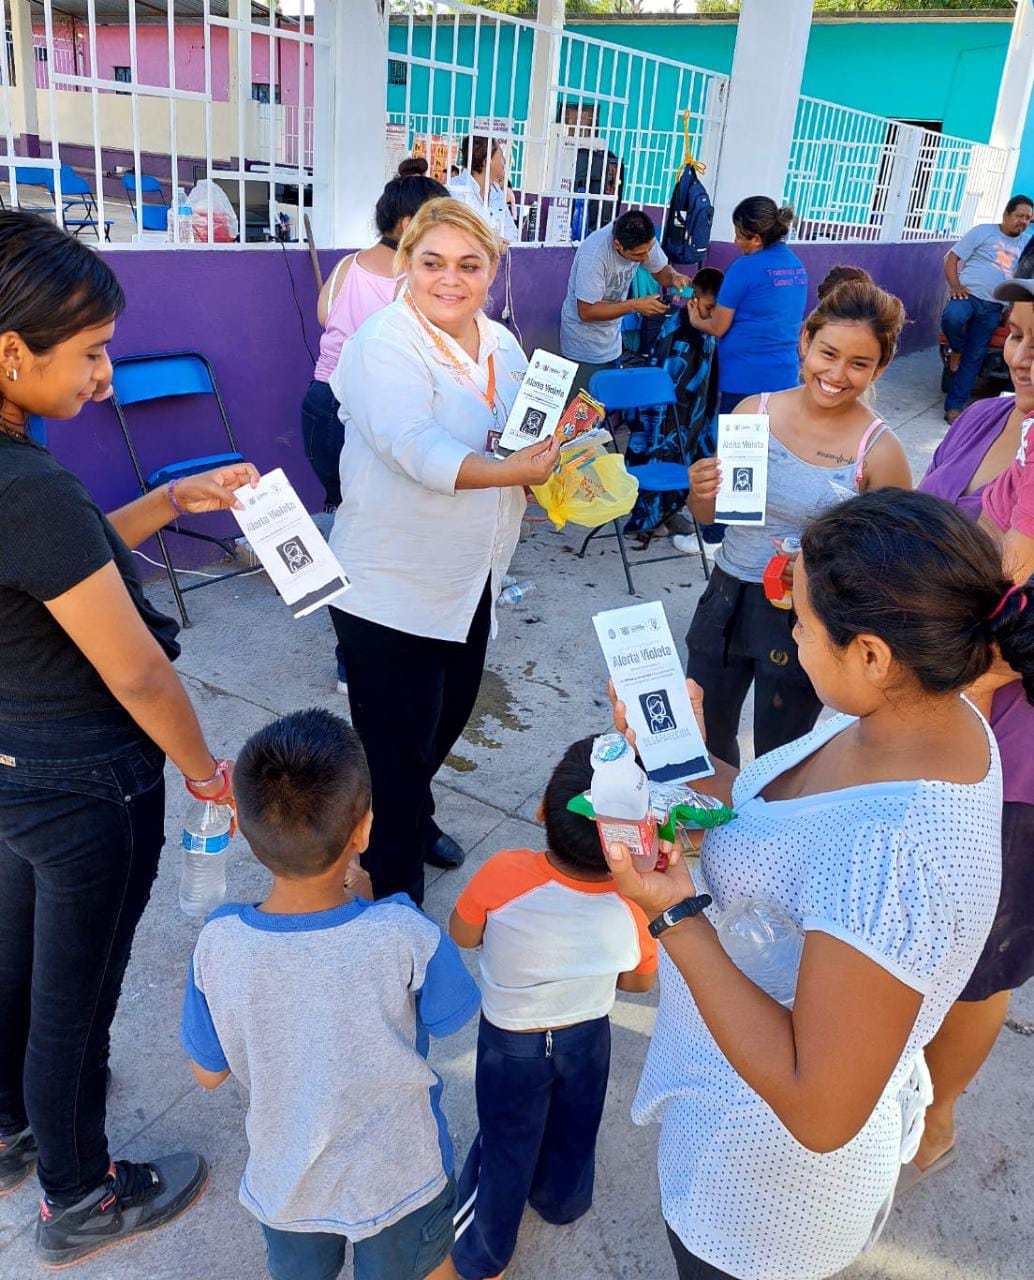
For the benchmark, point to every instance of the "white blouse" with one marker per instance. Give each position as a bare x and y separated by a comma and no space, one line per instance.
417,551
905,872
495,211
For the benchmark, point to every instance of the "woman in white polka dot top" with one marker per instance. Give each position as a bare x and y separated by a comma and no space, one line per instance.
878,834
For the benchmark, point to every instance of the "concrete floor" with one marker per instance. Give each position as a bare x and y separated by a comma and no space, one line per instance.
246,661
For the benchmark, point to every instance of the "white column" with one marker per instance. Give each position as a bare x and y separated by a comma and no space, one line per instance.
767,65
350,120
1014,95
26,112
542,98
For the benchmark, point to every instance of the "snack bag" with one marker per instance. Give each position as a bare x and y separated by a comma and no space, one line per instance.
581,415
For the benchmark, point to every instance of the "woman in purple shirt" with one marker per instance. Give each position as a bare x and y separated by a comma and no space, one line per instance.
979,447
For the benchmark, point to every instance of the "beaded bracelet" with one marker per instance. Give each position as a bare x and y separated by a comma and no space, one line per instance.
170,489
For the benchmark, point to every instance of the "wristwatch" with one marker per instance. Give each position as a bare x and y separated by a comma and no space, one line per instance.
680,911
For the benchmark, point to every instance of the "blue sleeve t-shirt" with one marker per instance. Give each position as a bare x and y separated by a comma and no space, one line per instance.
324,1019
767,291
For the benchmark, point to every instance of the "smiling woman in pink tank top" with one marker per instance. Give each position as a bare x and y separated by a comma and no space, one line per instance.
359,285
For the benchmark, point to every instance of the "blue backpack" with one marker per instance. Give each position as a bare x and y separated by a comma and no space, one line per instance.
687,226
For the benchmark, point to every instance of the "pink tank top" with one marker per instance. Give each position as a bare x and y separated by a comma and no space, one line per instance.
361,294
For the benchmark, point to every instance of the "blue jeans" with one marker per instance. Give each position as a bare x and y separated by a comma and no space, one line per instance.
540,1100
82,822
409,1250
968,323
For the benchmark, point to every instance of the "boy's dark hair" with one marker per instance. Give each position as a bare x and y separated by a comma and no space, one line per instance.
302,787
1016,201
573,839
840,275
633,229
708,280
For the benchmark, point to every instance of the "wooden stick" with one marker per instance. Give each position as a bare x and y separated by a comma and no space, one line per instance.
313,258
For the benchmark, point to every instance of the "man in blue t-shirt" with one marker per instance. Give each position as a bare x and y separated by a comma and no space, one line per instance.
983,259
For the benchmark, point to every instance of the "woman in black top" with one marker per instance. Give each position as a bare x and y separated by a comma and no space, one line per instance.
89,708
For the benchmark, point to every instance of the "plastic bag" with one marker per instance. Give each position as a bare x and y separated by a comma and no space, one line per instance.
763,942
589,487
224,221
676,807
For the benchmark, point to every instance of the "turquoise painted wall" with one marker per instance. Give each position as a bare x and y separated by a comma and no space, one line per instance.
946,71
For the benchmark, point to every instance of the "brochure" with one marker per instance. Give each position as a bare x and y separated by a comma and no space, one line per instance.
292,550
647,673
743,452
540,400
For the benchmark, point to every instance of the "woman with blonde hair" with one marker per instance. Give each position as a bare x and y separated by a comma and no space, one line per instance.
427,523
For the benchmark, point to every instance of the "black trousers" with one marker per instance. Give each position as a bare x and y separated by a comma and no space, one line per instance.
82,822
323,435
411,698
689,1266
736,639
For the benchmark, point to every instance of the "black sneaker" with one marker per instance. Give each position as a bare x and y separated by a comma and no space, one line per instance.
17,1156
133,1198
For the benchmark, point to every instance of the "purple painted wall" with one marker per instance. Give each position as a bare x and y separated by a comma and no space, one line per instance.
238,308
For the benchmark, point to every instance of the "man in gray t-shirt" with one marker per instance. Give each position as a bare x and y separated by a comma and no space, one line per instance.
597,292
982,259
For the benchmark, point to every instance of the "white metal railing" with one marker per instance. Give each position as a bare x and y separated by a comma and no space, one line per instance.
586,123
280,133
75,125
855,176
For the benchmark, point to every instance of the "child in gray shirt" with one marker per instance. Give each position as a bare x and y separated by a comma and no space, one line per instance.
320,1002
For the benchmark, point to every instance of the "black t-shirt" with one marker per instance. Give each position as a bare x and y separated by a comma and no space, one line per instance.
52,537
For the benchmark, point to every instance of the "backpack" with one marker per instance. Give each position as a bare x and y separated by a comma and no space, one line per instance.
687,226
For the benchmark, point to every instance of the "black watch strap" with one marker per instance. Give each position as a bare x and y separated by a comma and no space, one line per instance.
680,911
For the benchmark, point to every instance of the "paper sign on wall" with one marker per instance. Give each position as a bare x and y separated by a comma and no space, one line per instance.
644,665
540,401
743,452
292,550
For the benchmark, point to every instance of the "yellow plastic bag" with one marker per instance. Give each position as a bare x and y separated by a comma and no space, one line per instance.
589,487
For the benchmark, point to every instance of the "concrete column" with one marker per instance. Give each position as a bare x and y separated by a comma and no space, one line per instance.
26,112
350,121
542,98
767,65
1014,96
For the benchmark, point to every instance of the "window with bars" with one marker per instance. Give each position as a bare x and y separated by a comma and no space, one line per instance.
398,72
260,92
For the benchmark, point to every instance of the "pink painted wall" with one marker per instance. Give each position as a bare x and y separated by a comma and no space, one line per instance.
152,58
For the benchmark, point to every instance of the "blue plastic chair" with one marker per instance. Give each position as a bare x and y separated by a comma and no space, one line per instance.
143,379
155,217
639,389
38,430
76,193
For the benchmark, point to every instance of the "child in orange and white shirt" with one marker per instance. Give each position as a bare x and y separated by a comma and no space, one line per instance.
557,940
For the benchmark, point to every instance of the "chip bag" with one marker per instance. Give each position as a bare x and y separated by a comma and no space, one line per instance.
590,487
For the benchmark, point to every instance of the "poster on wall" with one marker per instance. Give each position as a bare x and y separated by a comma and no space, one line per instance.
396,149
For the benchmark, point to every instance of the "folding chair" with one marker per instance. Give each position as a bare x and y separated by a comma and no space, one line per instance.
623,389
162,375
155,217
75,194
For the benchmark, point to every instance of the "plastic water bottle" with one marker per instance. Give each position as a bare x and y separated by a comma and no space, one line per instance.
516,592
620,796
206,839
179,221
